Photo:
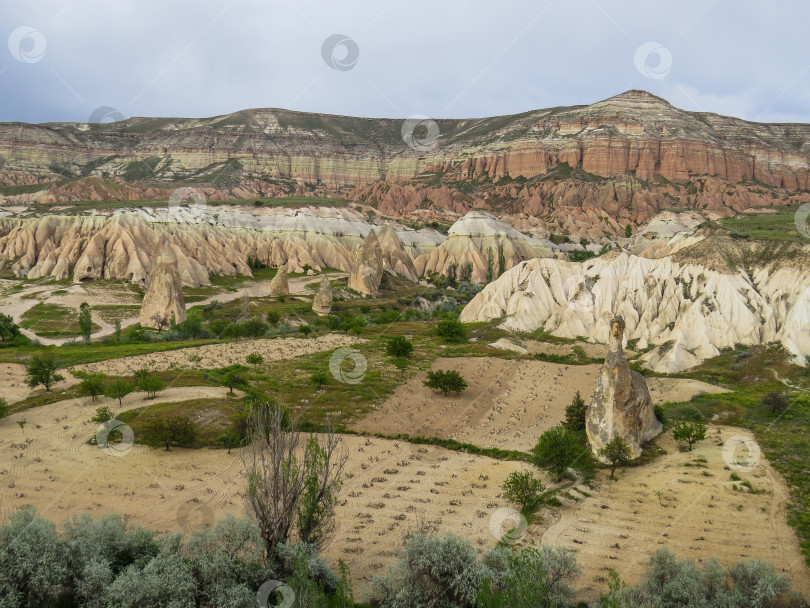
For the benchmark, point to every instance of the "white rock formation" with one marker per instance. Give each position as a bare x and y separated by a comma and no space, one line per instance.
395,259
472,239
367,269
687,311
279,285
322,302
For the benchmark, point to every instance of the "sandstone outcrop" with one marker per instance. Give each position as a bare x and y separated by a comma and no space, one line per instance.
621,405
395,259
484,244
279,285
322,302
163,300
686,307
367,270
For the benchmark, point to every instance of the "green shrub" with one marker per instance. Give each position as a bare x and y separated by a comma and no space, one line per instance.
575,413
689,431
451,330
445,381
560,448
522,488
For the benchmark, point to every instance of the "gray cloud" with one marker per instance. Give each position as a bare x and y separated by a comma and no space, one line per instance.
439,58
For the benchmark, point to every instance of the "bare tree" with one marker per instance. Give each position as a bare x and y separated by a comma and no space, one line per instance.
292,485
160,320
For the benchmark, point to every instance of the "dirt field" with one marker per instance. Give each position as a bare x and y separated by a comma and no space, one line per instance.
15,386
508,404
698,516
220,355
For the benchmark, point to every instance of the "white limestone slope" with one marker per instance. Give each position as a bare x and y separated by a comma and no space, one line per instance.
687,311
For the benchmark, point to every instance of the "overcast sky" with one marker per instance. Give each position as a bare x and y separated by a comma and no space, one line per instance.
438,58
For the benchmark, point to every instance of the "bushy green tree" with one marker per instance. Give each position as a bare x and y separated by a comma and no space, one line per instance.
8,328
451,329
85,321
41,369
523,489
118,389
399,347
532,578
617,451
273,317
4,407
776,401
445,381
254,359
434,571
103,414
177,430
689,431
92,385
151,385
575,414
560,448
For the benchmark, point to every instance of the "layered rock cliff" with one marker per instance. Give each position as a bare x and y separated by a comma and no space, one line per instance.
589,169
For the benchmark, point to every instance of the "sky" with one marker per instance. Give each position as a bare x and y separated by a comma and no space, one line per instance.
99,60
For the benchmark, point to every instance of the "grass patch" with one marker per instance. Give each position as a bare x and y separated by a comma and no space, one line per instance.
53,321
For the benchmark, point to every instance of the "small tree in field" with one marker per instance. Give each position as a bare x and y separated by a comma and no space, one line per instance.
690,432
522,489
445,381
8,328
92,386
4,408
273,317
85,321
254,359
102,415
22,422
559,448
575,414
776,402
451,330
616,452
151,386
319,379
118,390
399,347
41,369
169,432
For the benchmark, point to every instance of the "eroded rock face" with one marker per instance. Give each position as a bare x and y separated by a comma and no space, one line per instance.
395,258
279,286
164,292
621,404
322,302
367,269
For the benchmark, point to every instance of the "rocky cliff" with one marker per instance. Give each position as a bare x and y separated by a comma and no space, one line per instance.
584,169
681,309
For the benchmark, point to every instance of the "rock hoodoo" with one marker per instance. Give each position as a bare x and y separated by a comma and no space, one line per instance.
367,269
322,302
279,286
164,292
621,404
395,258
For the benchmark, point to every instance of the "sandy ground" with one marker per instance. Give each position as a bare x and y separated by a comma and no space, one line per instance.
508,404
391,487
15,387
220,355
698,516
